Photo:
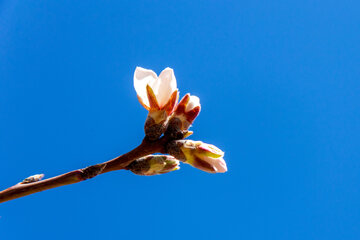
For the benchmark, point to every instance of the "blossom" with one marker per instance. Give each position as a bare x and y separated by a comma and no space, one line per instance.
185,113
154,165
203,156
156,92
159,95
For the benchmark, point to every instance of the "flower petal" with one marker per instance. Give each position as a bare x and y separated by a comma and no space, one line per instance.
193,102
166,86
142,78
218,165
203,165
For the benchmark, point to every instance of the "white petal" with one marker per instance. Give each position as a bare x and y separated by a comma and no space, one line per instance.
221,165
218,163
167,85
142,77
193,102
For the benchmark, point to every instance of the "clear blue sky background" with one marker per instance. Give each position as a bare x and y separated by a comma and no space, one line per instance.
279,84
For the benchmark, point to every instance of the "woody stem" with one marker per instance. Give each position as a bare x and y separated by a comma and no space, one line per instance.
121,162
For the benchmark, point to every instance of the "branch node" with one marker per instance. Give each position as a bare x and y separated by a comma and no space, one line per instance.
92,171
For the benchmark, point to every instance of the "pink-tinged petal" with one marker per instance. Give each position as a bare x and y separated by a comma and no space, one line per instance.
193,102
218,164
152,99
166,86
142,78
204,165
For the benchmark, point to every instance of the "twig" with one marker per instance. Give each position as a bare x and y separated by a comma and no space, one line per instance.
23,189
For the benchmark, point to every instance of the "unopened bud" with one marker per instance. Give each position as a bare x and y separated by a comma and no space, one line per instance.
182,118
154,165
33,178
203,156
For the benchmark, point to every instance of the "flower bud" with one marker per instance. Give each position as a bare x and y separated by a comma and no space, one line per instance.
154,165
182,118
159,95
33,178
205,157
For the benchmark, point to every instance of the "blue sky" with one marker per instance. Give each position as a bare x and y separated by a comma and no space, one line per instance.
279,85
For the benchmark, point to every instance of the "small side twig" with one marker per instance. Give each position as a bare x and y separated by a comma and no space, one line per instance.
28,186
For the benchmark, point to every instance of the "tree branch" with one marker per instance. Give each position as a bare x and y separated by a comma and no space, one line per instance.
23,189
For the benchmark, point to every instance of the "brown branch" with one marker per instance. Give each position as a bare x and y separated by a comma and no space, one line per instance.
23,189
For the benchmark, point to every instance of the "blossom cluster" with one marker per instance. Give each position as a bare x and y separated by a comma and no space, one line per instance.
168,117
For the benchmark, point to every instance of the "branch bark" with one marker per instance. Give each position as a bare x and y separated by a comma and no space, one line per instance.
23,189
